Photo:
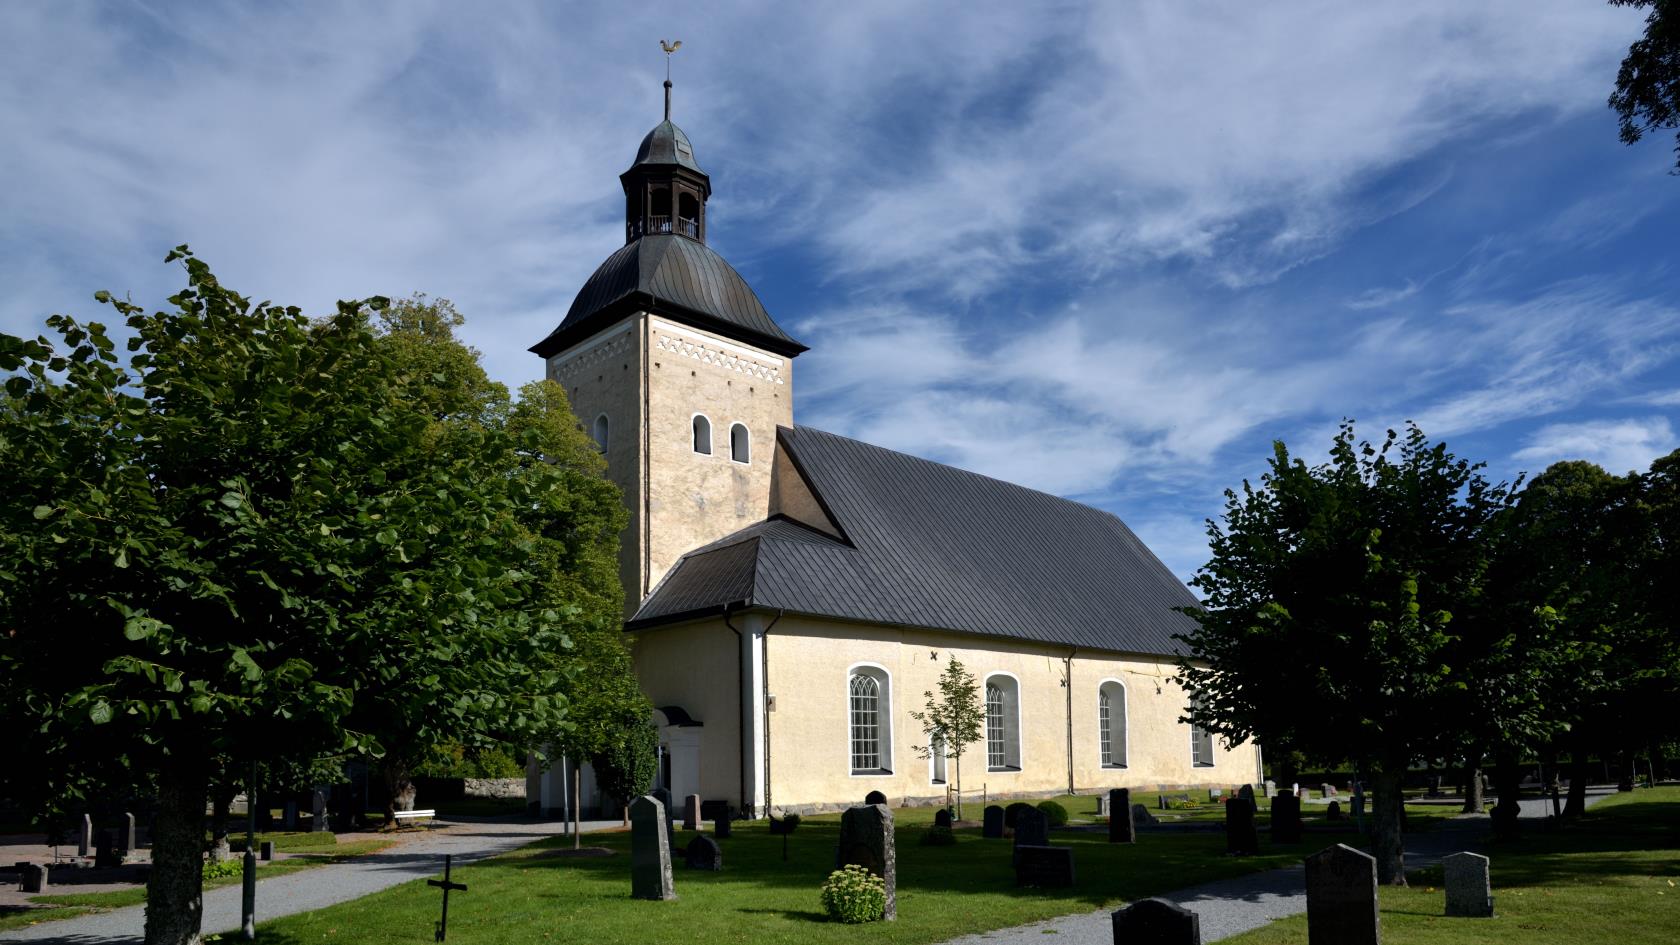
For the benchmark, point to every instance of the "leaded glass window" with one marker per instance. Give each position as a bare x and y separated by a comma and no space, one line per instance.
996,756
866,723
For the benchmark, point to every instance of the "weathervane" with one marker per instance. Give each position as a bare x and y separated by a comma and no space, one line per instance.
669,48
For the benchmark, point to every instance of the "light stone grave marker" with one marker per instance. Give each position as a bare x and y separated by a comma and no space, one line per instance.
1468,891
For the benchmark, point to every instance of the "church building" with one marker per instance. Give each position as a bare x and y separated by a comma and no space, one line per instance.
793,594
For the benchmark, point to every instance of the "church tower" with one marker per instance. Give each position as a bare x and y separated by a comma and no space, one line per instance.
674,366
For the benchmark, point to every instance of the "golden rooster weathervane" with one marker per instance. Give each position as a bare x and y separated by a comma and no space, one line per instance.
669,48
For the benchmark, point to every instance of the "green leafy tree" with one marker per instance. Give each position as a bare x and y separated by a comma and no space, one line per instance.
1647,96
1328,622
952,718
627,767
235,544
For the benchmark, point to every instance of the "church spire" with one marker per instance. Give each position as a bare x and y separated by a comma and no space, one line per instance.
665,191
669,49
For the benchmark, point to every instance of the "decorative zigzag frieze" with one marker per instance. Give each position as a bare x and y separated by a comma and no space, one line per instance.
706,354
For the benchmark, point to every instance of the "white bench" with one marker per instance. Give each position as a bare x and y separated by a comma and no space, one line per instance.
413,814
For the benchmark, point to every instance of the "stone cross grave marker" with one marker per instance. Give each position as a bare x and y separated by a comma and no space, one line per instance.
650,850
1286,818
1468,891
703,853
84,839
1032,829
1046,867
1121,828
1342,897
874,797
446,885
942,817
866,839
991,826
1241,838
1156,922
691,812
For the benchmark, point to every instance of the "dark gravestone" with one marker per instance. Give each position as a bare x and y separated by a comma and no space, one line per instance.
1469,893
992,825
291,820
125,837
1246,792
1359,806
691,812
874,797
1434,786
1013,811
1156,922
1142,816
650,851
1241,839
105,855
942,817
84,839
866,839
1121,829
1334,812
1043,866
1032,829
1160,802
1342,897
1286,818
713,810
721,825
34,878
267,850
703,854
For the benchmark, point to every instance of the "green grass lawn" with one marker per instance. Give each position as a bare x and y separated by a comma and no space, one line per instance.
1612,877
533,896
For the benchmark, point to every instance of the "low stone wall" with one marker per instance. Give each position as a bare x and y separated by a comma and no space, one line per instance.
494,787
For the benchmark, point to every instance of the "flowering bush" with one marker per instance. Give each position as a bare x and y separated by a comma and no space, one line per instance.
228,867
854,894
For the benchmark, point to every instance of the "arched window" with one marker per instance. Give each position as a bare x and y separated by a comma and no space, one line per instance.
600,432
688,215
1201,742
936,761
1111,723
659,215
740,444
702,434
870,716
1003,723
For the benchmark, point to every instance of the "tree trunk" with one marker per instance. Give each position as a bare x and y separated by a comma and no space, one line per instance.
1624,779
1507,781
958,758
1576,805
399,788
627,815
577,804
221,800
175,889
1388,805
1659,764
1473,801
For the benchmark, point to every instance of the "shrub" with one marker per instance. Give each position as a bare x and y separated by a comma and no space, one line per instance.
1182,803
939,837
854,894
789,822
1054,813
229,867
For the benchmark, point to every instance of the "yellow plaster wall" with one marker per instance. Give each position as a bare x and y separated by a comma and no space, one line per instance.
695,666
809,661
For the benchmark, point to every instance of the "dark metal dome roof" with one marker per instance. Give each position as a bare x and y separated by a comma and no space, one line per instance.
666,144
677,277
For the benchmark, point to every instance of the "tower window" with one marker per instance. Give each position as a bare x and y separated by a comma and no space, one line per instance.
740,444
702,434
600,432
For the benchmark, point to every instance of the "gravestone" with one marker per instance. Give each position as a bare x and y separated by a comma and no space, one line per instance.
874,797
1032,829
703,853
1102,805
291,815
1241,839
1013,812
691,812
992,823
34,877
1156,922
267,850
866,839
1160,802
105,854
1286,819
1334,812
1434,786
1342,897
1328,790
942,817
650,850
1043,866
1468,891
1359,805
1121,829
318,811
1141,815
712,810
1215,794
721,825
125,837
1246,792
84,839
1271,788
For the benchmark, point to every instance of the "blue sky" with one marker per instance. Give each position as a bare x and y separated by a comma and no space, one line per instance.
1109,250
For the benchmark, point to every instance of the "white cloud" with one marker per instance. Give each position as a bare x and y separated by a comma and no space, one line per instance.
1617,445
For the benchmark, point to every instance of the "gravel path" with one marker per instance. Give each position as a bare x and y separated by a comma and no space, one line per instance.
317,888
1232,906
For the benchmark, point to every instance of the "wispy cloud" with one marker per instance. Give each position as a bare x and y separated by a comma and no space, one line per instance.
1616,445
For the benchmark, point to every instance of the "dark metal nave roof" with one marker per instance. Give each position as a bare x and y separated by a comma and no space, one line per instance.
937,547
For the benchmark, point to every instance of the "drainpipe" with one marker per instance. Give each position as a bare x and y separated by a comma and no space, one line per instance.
745,637
1068,684
741,720
764,676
